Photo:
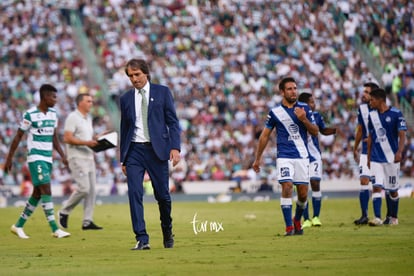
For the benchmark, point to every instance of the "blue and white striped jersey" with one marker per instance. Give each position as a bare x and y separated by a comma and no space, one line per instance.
363,112
314,149
384,128
291,134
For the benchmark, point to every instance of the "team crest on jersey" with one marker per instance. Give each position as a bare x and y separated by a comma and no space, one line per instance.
381,132
388,119
381,135
284,172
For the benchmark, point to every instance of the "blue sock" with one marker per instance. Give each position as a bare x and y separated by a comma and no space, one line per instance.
377,202
300,207
316,203
306,212
394,202
286,205
364,200
388,202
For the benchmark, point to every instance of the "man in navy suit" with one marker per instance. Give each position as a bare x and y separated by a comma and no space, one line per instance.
150,137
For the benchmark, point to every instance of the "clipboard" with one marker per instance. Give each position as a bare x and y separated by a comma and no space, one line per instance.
107,141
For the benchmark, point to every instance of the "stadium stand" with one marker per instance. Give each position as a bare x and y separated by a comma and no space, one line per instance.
222,60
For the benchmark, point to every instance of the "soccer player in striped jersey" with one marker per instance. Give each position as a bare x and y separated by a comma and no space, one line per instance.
40,123
292,121
387,135
361,135
315,159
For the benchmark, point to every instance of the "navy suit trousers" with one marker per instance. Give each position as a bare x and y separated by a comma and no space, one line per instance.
142,158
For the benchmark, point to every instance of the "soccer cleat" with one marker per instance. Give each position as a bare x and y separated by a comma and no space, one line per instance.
290,231
307,223
390,221
60,234
316,222
375,222
141,246
18,231
63,220
394,221
361,221
298,227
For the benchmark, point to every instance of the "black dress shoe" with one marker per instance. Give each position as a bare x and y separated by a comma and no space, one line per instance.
169,241
91,226
63,220
141,246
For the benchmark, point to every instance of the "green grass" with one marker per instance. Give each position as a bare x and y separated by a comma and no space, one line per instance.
246,246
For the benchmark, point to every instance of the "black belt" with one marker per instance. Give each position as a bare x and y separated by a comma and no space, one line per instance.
143,143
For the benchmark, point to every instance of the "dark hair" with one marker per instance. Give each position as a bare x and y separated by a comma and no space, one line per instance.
284,81
138,64
46,88
80,96
304,97
371,85
379,93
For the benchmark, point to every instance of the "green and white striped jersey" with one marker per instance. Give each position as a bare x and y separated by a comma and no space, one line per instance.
40,127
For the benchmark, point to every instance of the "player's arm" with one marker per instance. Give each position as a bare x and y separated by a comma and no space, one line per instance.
263,140
312,128
358,138
15,143
58,148
307,120
369,147
328,131
401,145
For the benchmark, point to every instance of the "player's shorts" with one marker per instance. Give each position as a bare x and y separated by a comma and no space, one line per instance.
364,171
386,175
315,170
292,170
40,172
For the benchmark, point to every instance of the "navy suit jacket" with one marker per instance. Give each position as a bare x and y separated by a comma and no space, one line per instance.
163,124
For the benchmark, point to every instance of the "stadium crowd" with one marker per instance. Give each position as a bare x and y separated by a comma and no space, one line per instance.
222,60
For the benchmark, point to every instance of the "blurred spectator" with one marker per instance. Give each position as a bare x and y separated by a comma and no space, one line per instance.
26,187
221,59
265,186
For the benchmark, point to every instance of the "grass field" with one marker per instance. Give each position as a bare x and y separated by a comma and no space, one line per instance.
246,239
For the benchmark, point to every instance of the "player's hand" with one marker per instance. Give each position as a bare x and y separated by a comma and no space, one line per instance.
65,162
256,166
7,166
397,157
356,156
123,167
300,113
